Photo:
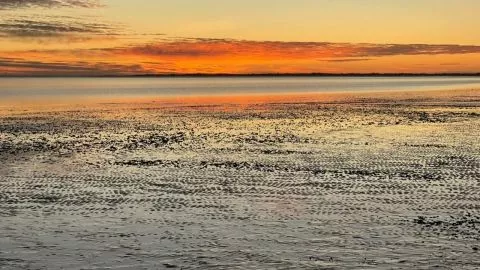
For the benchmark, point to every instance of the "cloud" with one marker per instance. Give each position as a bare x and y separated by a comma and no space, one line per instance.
238,56
412,49
16,24
343,60
450,64
24,27
15,4
45,29
203,47
12,66
297,50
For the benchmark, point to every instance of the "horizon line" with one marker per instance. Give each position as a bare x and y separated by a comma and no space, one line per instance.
313,74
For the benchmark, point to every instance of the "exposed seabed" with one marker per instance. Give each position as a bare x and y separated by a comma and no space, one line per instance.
333,181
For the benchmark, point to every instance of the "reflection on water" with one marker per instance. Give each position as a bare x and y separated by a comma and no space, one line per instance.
111,88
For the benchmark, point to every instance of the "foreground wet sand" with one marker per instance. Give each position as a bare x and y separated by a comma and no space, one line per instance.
332,181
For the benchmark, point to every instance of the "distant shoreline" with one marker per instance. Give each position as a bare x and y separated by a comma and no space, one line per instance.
213,75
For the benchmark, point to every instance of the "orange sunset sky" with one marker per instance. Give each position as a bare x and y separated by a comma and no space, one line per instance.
125,37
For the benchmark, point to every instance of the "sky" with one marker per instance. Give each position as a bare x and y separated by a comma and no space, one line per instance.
125,37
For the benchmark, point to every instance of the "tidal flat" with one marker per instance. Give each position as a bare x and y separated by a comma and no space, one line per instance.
313,181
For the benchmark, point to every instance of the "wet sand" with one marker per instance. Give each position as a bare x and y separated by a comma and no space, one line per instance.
332,181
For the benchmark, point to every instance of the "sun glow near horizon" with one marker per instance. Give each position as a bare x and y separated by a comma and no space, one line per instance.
89,37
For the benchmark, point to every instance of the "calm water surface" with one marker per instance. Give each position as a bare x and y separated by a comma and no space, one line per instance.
50,88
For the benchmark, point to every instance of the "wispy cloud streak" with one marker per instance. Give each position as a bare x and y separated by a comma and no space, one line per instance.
9,66
226,47
16,4
53,27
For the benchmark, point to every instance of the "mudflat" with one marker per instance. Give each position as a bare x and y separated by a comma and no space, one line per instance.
314,181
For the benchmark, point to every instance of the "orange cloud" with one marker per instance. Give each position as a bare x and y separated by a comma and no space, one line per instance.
275,49
243,56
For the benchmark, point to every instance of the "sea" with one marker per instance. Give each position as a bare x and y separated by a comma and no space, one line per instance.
31,89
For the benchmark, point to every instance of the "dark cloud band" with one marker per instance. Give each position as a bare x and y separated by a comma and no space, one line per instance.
49,28
15,4
21,66
294,50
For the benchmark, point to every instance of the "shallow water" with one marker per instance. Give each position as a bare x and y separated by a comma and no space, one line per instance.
85,88
366,182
